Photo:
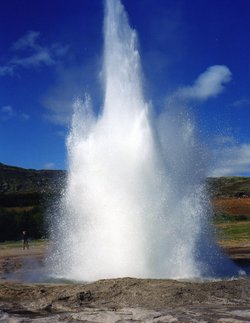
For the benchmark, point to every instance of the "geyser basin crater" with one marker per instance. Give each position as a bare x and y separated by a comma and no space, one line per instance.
135,203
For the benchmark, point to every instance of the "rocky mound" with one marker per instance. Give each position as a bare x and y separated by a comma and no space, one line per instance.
128,300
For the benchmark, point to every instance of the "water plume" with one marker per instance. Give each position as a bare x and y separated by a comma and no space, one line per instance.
135,202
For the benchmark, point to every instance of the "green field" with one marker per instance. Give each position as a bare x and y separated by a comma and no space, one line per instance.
237,232
18,244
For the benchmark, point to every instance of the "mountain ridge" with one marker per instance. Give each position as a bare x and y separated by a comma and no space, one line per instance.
15,179
18,179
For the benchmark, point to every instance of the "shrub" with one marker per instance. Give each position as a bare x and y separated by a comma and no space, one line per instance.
12,223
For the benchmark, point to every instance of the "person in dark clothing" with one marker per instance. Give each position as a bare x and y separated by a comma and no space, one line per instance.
25,240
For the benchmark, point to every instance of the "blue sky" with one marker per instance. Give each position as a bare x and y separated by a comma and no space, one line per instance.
51,52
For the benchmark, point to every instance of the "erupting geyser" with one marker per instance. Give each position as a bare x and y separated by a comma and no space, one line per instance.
135,202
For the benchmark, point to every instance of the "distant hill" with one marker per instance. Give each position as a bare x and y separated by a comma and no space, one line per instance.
25,195
20,187
229,187
16,179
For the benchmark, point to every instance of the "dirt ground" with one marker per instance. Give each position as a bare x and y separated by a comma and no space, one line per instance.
233,206
118,300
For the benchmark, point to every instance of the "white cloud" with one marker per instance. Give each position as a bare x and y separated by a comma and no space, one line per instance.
7,112
49,165
61,133
29,40
41,57
208,84
231,161
30,53
7,70
25,116
7,109
244,102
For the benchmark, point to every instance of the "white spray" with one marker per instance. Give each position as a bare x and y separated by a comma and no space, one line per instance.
135,202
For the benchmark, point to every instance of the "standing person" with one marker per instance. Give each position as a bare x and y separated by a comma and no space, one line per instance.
25,240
